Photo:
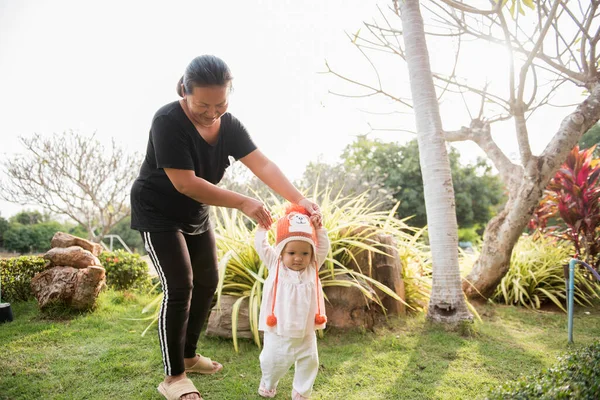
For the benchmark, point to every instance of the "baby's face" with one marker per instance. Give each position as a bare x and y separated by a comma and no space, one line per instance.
296,255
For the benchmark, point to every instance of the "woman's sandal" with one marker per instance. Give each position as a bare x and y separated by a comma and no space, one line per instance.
175,390
205,366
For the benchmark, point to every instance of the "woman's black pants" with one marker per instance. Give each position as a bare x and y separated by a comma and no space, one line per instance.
188,271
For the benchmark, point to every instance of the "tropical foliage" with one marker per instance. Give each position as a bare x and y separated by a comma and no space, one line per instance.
536,275
572,203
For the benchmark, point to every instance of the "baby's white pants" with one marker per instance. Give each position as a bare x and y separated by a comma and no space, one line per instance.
278,355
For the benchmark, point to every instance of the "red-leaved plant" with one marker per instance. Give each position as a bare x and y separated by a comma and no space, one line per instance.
572,201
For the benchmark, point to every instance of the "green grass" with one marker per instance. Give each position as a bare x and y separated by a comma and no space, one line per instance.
101,355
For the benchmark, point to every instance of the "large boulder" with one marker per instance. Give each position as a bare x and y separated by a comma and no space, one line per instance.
73,256
61,239
385,267
77,288
219,322
347,306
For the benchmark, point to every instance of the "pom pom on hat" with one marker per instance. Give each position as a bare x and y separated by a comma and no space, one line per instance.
271,320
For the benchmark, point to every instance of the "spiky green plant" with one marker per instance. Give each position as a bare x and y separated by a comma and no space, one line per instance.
536,275
352,224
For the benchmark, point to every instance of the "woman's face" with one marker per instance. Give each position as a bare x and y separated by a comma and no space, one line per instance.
207,104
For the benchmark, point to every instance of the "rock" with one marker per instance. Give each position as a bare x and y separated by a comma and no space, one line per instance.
76,288
219,322
54,285
61,239
347,307
385,268
90,281
73,256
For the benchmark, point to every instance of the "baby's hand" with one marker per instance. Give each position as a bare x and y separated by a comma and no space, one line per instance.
316,220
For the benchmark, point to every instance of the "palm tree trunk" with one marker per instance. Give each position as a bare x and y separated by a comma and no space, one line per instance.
447,303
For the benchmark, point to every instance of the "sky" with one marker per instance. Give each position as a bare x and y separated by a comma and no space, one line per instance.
107,66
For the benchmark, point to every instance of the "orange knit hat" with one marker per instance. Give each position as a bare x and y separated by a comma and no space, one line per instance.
295,225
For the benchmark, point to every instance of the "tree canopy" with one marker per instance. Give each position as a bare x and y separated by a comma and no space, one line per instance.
479,193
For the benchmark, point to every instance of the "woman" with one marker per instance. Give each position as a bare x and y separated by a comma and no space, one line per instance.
188,151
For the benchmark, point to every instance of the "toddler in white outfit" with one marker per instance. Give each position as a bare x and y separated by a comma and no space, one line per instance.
292,305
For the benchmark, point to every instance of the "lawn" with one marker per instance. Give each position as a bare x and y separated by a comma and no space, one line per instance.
101,355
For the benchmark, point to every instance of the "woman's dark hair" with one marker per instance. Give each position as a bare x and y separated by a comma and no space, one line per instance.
205,70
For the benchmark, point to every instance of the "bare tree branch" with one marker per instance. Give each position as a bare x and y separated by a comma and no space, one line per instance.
375,91
73,175
466,8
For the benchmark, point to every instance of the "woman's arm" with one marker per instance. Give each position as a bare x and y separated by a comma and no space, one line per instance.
271,175
187,183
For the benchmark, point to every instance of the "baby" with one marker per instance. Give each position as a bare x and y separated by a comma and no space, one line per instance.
292,305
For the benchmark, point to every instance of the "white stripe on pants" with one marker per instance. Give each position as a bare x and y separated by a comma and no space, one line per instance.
278,355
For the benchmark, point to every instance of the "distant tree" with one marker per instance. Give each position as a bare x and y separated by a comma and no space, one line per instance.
34,238
132,238
27,217
346,180
478,192
73,175
76,230
3,228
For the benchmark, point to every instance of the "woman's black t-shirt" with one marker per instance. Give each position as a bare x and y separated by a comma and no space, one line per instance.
156,206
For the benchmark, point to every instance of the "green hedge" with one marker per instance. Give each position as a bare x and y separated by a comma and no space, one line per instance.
16,274
575,376
124,270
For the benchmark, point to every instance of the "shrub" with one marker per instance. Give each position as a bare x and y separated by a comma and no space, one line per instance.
470,234
16,274
573,197
536,275
575,376
124,270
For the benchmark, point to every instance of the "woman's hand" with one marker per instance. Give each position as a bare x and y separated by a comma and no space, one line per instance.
313,209
257,211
